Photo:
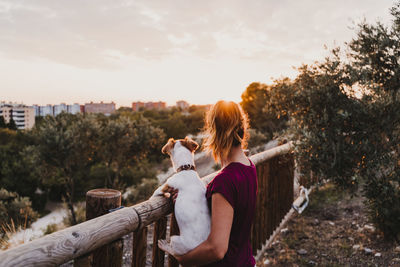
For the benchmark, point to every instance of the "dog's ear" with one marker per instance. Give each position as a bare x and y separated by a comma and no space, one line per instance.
189,144
170,145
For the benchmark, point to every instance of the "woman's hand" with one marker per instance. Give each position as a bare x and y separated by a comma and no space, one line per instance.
170,192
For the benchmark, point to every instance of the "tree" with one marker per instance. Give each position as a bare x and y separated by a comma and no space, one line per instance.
123,144
15,210
322,118
67,145
373,65
344,117
194,121
11,124
254,103
2,122
19,165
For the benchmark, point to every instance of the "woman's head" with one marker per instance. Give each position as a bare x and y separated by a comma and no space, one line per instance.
226,127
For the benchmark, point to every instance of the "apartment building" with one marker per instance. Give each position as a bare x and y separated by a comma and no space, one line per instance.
23,116
74,108
57,109
46,110
54,110
148,105
105,108
182,104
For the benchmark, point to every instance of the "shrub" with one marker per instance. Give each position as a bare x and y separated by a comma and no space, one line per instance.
141,192
15,210
80,214
374,65
256,139
51,228
344,118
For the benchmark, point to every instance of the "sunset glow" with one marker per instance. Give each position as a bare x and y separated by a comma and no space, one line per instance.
126,51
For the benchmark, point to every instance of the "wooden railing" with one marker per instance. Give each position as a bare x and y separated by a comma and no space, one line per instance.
275,170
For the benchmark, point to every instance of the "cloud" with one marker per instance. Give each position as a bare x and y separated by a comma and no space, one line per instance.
104,34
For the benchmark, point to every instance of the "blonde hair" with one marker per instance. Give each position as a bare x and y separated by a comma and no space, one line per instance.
225,127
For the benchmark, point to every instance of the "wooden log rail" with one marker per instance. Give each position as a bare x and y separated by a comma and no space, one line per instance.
275,170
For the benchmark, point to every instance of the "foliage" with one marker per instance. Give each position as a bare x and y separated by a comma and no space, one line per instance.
265,120
67,147
216,167
15,210
2,122
256,139
50,228
323,120
19,168
373,63
175,122
123,144
344,117
141,192
79,214
11,124
85,151
63,157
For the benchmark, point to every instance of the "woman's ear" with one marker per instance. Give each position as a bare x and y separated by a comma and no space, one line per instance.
190,144
169,146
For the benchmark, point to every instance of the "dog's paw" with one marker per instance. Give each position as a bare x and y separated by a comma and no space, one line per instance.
165,246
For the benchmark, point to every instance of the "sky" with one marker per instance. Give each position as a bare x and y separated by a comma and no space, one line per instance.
54,51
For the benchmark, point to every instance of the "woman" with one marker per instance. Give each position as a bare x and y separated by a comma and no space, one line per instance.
231,195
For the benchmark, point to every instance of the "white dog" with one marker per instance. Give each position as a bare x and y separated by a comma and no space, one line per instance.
191,210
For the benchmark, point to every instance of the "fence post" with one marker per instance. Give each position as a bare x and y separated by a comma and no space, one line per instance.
100,202
139,248
173,230
159,232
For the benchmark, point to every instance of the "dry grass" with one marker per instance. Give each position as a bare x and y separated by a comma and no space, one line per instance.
9,230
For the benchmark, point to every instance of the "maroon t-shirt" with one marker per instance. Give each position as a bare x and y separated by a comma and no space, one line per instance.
238,184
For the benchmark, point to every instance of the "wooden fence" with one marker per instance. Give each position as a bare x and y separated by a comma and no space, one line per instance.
275,170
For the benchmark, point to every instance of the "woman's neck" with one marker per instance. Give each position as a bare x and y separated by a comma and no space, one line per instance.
236,155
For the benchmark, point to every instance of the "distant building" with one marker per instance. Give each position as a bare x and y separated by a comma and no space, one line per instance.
74,108
105,108
54,110
137,105
37,110
148,105
46,110
182,104
57,109
23,116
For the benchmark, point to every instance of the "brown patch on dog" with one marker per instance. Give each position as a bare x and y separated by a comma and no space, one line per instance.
165,188
170,145
189,144
166,191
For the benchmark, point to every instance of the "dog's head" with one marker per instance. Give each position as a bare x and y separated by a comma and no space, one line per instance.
188,143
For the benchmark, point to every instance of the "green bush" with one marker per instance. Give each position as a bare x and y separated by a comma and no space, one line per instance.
262,118
382,190
79,213
256,139
344,116
15,210
141,192
51,228
373,63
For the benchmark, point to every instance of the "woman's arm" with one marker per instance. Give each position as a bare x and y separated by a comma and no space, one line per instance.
216,245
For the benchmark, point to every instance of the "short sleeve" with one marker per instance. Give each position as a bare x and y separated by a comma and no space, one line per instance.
223,185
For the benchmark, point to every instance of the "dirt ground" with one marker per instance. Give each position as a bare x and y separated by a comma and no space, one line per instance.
332,231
